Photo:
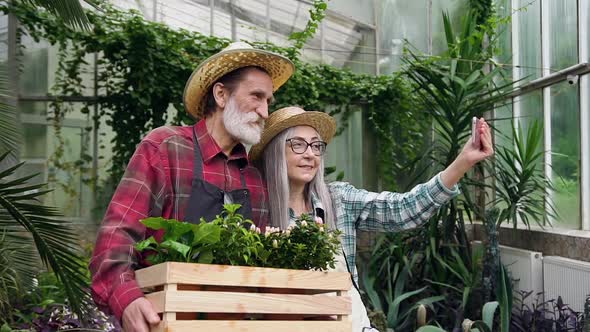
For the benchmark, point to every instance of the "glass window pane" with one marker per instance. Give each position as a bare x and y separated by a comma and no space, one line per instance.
399,20
531,109
345,151
34,142
565,146
33,78
504,53
585,17
563,26
529,41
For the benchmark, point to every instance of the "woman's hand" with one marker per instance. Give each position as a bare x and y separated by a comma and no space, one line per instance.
470,155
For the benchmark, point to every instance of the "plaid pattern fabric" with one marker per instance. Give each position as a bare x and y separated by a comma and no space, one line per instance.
158,182
383,212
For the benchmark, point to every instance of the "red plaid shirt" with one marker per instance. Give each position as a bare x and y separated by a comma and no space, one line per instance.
157,182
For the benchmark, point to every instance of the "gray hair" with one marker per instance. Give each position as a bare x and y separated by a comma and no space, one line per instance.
274,164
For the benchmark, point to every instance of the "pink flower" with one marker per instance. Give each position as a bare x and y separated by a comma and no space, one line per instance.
319,220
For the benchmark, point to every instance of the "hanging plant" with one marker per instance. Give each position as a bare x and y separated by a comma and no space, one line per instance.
143,66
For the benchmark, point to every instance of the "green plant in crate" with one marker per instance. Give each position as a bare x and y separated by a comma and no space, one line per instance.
230,239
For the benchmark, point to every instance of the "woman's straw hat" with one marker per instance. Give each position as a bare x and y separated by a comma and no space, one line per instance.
289,117
234,56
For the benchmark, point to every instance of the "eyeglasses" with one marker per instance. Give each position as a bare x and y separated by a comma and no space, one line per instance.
299,146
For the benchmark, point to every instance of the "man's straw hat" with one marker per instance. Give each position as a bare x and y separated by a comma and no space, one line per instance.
289,117
234,56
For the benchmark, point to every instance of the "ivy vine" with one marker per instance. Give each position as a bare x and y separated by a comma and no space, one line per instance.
143,67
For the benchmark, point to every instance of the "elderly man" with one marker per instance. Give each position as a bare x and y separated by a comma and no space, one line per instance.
186,173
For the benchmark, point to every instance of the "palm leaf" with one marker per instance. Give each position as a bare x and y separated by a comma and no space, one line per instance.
70,11
53,238
10,134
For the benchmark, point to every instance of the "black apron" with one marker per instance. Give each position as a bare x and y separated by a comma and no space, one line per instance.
206,200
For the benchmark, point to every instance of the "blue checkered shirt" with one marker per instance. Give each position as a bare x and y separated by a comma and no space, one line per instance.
382,212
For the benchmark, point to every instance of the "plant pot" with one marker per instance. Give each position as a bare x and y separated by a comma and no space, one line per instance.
207,297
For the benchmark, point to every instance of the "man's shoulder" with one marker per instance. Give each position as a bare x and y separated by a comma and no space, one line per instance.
165,134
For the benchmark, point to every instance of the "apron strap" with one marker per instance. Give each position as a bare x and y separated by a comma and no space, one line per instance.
198,158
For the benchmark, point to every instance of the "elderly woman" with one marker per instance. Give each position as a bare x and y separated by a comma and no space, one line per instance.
290,154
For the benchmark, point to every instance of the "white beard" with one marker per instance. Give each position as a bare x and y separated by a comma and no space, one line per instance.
245,127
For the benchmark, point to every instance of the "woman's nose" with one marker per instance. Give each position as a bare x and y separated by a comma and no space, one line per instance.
308,152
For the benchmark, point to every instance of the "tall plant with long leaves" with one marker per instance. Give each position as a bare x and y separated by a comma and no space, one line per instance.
25,223
521,185
453,89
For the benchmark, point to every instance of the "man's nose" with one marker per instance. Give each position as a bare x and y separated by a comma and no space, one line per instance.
262,111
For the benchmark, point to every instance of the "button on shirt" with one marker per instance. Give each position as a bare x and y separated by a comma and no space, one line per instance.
157,182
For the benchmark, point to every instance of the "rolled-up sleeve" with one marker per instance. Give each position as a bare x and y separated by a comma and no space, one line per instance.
390,211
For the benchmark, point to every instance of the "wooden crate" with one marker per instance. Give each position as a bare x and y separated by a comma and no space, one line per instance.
263,299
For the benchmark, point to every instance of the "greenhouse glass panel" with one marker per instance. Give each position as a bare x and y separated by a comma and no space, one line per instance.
563,33
531,109
529,41
585,15
565,148
504,31
502,124
398,20
35,143
345,150
33,80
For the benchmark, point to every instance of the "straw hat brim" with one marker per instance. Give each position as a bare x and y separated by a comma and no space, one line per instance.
323,123
278,67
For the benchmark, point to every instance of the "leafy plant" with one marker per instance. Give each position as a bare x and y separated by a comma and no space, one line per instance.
151,60
520,180
484,325
231,240
43,308
544,316
25,221
317,14
389,282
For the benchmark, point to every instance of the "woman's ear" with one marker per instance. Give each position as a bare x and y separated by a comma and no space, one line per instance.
220,94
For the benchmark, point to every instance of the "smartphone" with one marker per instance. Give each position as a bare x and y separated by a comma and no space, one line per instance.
474,132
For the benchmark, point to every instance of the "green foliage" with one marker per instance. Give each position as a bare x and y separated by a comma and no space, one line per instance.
71,12
391,283
484,325
520,180
10,133
28,223
317,14
483,10
143,67
306,246
231,240
504,296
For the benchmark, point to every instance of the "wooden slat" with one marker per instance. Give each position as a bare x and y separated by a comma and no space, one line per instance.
156,275
224,275
228,302
254,326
